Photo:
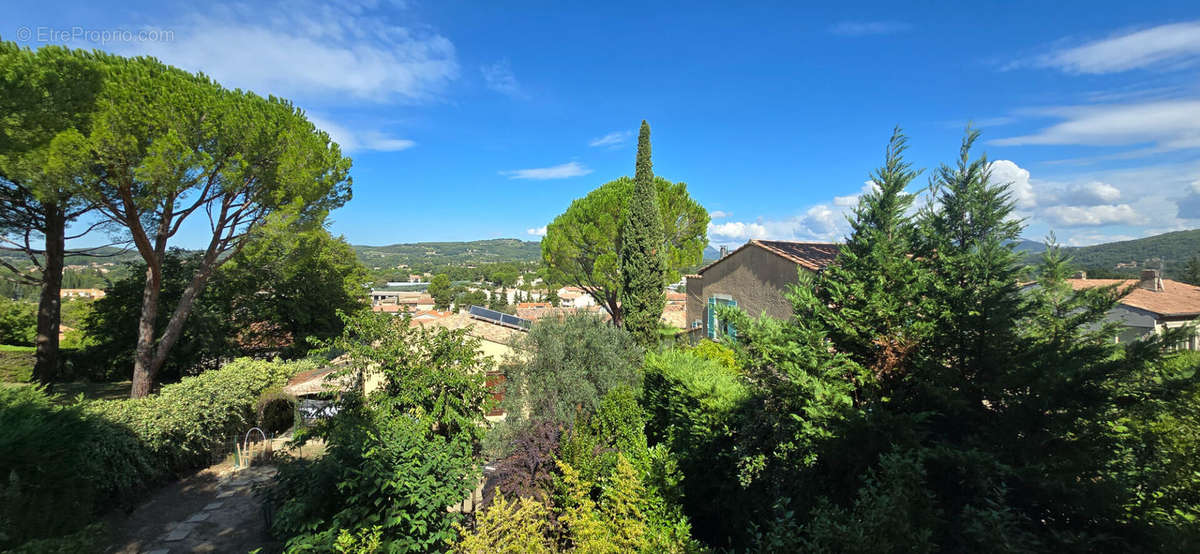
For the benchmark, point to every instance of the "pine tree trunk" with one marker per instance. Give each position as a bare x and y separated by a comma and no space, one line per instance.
144,369
45,367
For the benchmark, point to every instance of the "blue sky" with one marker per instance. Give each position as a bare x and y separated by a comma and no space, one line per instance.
480,120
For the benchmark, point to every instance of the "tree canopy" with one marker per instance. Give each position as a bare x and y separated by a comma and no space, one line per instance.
642,260
581,245
167,144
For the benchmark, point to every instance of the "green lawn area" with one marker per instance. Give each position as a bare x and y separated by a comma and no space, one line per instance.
16,366
16,363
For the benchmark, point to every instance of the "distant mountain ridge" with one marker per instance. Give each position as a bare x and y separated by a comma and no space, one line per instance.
466,252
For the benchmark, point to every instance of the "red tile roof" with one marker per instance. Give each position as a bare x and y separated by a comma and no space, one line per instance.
1176,299
814,256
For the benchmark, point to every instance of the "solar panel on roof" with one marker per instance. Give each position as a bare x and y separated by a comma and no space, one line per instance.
499,317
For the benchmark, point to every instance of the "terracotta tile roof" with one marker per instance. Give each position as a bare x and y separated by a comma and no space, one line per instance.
532,305
475,327
676,297
1176,299
810,255
387,308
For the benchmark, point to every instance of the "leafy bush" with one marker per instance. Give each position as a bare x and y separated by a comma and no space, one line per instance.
187,421
517,527
63,464
276,410
397,458
18,322
563,367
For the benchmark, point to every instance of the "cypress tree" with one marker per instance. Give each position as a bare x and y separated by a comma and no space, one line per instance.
643,269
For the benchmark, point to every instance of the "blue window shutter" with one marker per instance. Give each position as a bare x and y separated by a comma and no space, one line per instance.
712,318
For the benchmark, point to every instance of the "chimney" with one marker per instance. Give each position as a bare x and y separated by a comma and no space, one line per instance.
1080,275
724,251
1151,280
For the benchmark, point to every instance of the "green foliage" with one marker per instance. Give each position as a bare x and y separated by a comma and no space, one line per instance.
515,527
112,324
566,366
18,322
439,289
285,288
716,352
424,255
276,410
642,258
919,401
581,246
396,458
430,373
64,464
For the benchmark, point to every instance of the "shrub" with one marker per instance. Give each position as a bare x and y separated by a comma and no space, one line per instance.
695,408
62,464
565,366
517,527
276,410
187,421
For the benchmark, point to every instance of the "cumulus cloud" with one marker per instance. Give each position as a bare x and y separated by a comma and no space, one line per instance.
1162,125
718,214
1007,171
537,231
308,51
499,77
561,171
851,200
1091,193
1075,216
612,140
867,28
1172,44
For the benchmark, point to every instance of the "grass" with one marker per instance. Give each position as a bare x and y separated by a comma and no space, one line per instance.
16,366
16,363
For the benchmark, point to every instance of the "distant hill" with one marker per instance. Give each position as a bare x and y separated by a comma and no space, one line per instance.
450,253
711,254
1168,251
1027,246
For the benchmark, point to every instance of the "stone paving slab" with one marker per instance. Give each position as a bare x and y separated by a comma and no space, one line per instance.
197,518
213,506
179,533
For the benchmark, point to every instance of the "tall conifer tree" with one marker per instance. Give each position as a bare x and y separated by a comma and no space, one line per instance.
643,269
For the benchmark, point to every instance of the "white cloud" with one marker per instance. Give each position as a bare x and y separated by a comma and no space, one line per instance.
851,200
865,28
1091,193
718,214
613,139
353,141
500,78
562,171
1017,178
308,51
735,231
1075,216
1164,125
537,231
1175,43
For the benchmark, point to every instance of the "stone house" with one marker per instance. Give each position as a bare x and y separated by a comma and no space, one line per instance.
755,278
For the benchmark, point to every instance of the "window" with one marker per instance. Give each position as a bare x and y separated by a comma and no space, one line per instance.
716,328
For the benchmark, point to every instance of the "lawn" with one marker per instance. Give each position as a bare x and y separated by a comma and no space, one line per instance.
16,366
16,363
